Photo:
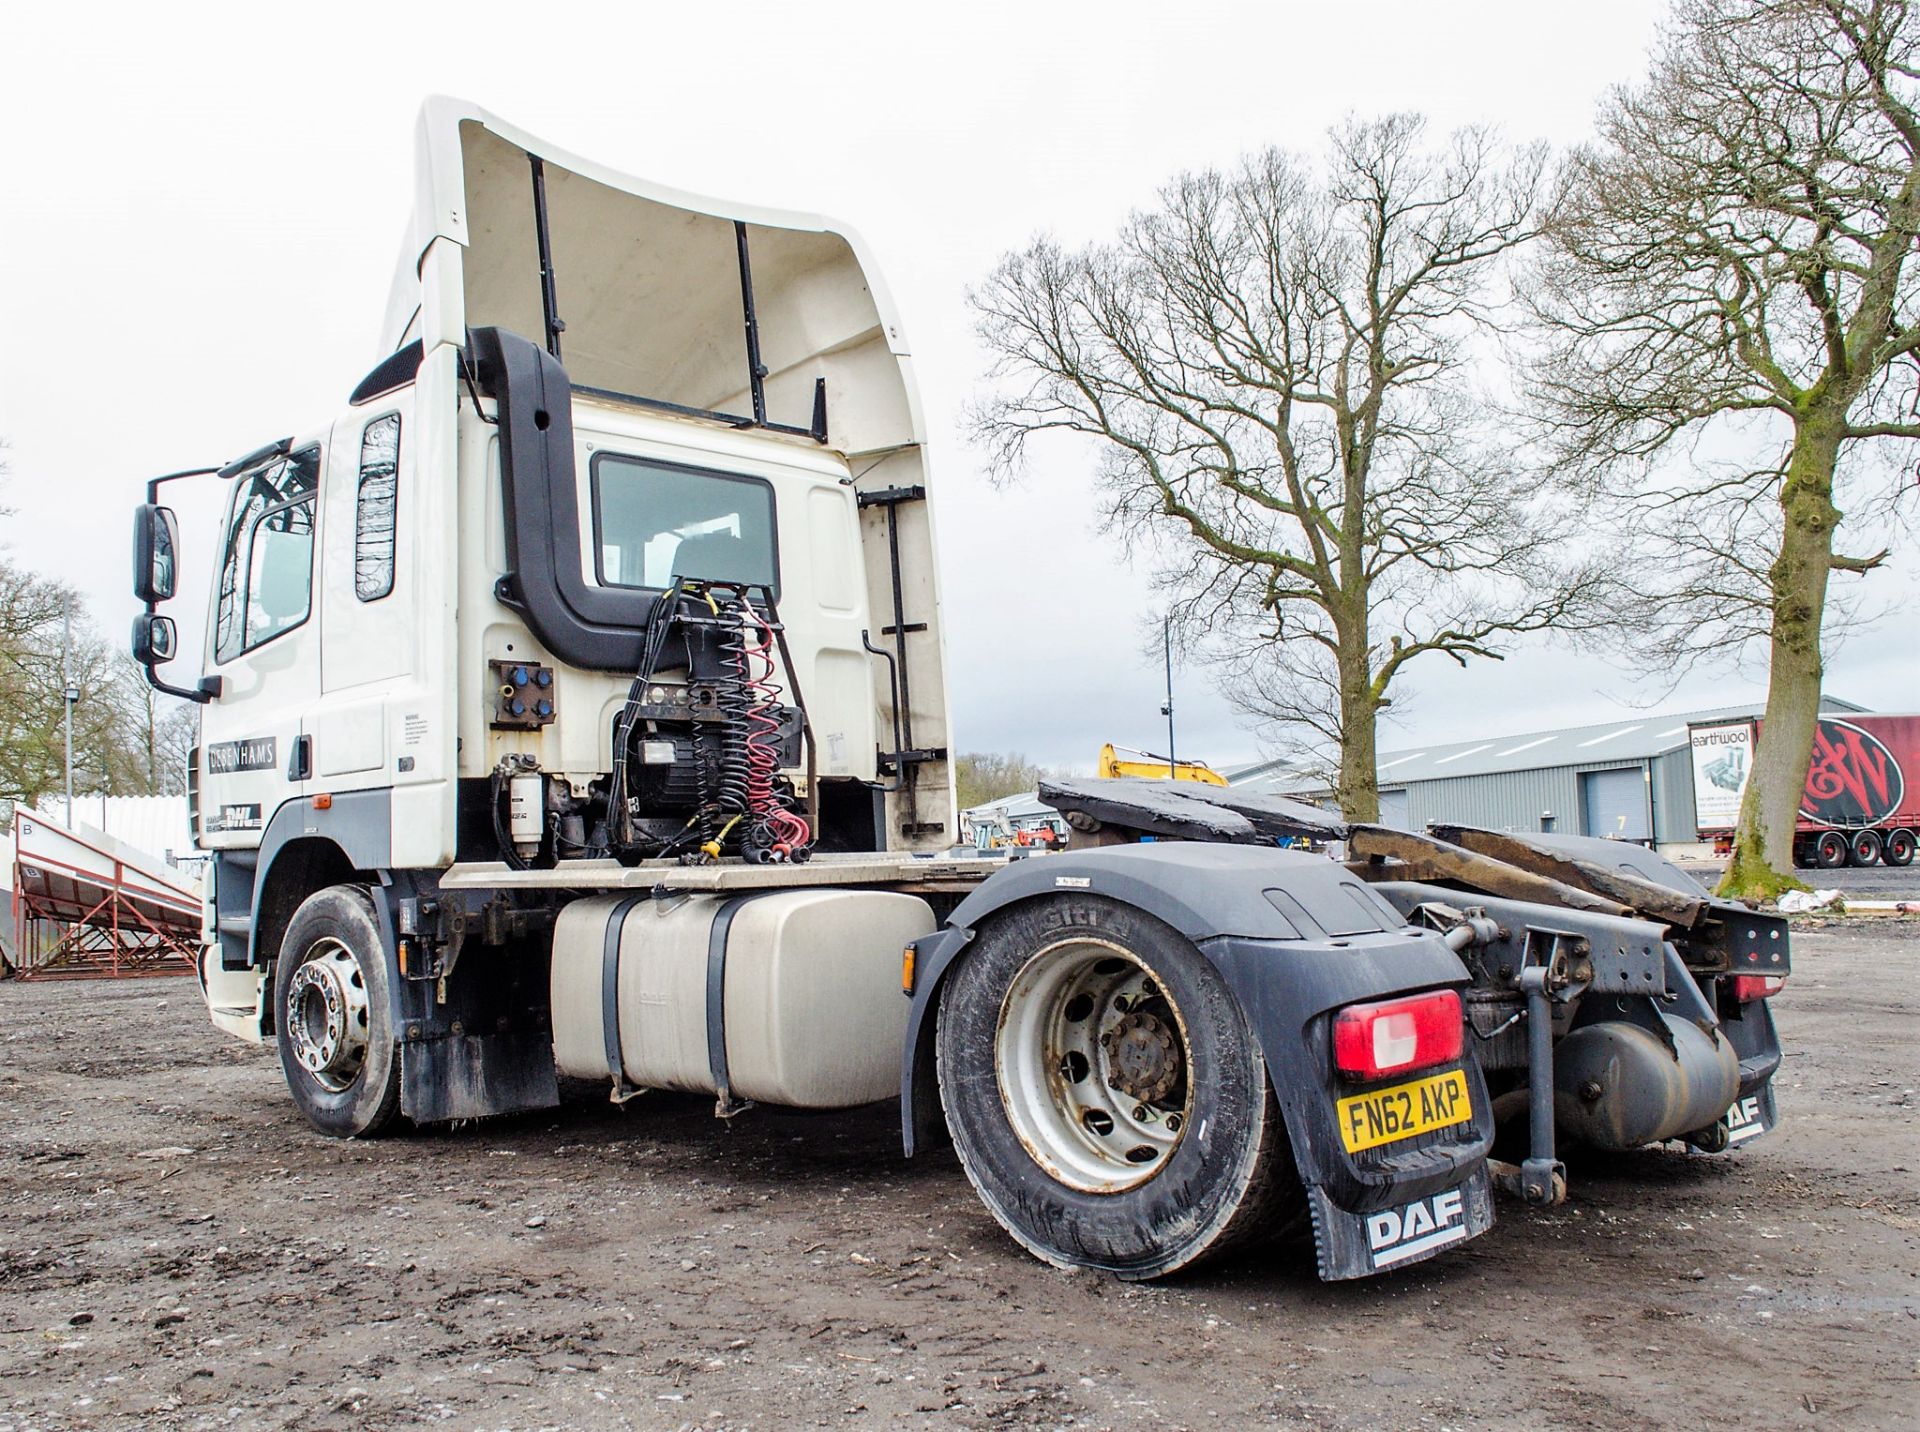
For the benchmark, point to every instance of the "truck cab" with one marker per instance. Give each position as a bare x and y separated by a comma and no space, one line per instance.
591,387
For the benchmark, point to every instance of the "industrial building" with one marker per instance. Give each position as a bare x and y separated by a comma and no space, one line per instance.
1000,822
1629,779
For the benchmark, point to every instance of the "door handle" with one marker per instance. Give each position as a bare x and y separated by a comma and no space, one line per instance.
300,765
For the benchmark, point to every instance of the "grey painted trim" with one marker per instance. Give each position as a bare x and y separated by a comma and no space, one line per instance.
358,823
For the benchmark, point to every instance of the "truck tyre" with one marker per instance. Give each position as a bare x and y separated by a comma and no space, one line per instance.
1105,1093
1864,847
1830,850
1897,848
333,1011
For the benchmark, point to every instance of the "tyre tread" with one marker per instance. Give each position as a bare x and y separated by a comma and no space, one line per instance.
1269,1203
380,1116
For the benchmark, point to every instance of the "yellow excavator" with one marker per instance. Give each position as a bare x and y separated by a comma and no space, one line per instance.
1154,767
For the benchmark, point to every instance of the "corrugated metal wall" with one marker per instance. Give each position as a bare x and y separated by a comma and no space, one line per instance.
1673,818
1516,800
1508,800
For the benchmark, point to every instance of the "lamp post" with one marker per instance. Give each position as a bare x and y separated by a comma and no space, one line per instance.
1166,645
72,694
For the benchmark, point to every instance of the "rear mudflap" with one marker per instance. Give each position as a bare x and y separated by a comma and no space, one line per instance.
1750,1116
1749,1028
1394,1200
1357,1245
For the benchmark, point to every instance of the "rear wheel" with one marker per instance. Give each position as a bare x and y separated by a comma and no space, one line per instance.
1830,850
334,1016
1864,847
1898,847
1105,1093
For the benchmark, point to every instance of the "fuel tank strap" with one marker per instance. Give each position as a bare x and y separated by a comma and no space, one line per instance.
724,1103
610,992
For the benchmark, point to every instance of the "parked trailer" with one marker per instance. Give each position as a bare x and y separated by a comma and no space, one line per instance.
573,702
1858,807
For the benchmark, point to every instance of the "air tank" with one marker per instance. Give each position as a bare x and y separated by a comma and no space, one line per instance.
1619,1085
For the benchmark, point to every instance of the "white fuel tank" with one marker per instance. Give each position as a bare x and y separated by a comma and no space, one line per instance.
810,1014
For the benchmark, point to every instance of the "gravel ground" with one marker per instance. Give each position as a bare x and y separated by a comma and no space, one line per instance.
178,1250
1872,882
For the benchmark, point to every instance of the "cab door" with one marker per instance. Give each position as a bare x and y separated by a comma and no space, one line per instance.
367,596
263,643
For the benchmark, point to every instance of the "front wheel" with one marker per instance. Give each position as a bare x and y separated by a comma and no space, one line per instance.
1105,1094
333,1013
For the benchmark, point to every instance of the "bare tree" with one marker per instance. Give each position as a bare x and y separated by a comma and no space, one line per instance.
1274,364
1731,263
127,740
163,728
982,776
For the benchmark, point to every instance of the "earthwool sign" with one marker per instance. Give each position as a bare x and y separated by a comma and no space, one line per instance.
1722,757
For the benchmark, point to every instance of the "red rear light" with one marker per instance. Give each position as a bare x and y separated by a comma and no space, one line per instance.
1748,988
1391,1036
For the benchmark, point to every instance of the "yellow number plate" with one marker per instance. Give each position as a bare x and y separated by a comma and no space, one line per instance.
1403,1110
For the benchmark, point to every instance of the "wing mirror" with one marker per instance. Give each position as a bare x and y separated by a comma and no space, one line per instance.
156,544
154,640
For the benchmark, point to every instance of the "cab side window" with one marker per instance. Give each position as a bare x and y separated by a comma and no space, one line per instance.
373,523
266,565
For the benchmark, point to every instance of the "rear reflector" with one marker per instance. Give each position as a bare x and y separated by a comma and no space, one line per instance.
1748,988
1395,1035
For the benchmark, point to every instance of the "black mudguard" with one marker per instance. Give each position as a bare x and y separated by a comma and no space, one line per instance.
475,1044
1295,937
1749,1028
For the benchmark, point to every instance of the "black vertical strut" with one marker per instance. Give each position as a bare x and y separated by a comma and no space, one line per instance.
549,305
890,498
756,370
900,621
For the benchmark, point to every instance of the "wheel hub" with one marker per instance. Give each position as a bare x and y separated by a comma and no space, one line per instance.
1143,1056
1091,1062
326,1015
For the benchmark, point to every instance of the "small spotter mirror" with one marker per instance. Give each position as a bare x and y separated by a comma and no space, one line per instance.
153,639
156,541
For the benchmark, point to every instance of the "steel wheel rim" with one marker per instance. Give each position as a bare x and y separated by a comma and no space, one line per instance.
1092,1061
326,1014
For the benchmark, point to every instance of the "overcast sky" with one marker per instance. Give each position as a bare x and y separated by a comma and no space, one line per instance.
200,209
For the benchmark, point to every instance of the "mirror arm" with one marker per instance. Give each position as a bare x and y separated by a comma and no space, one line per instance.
279,447
208,688
153,483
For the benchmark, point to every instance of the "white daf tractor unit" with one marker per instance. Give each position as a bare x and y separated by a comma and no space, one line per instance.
573,703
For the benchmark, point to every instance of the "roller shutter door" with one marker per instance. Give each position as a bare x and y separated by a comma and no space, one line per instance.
1393,809
1614,804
